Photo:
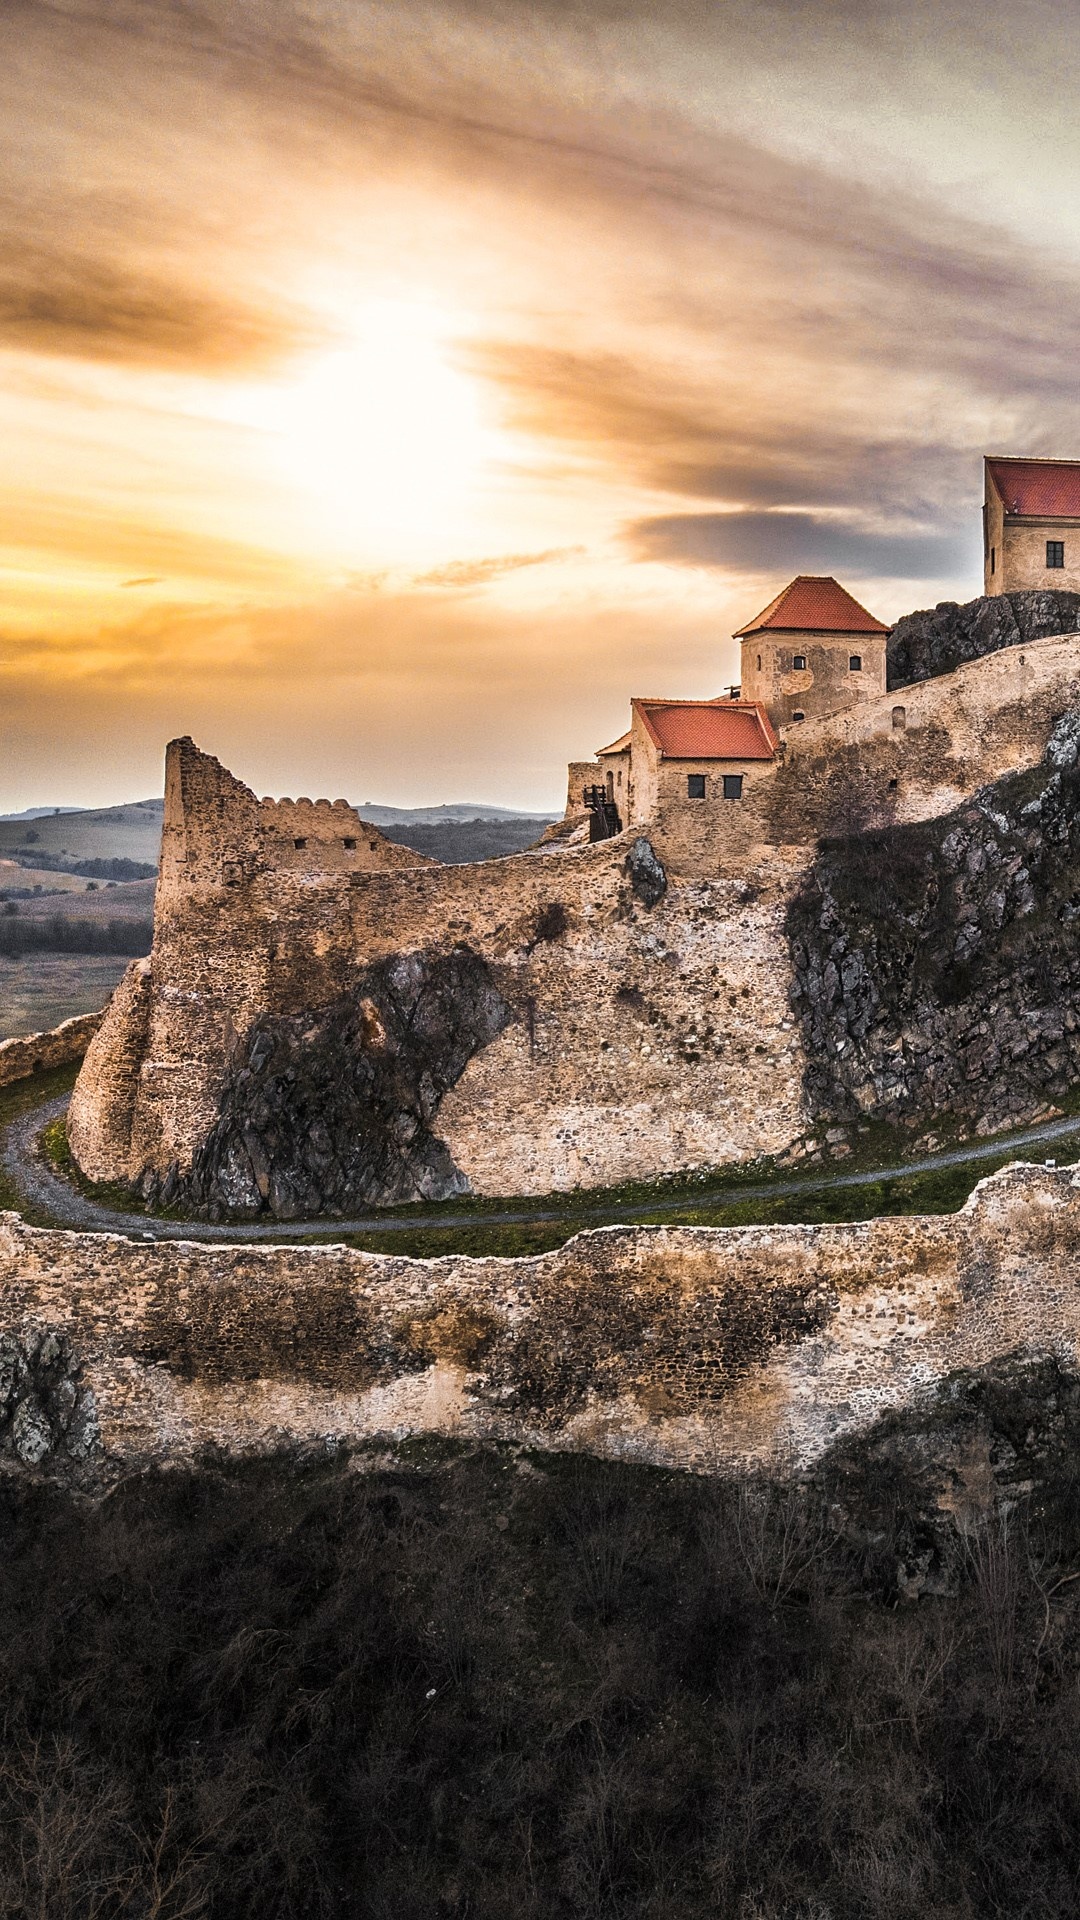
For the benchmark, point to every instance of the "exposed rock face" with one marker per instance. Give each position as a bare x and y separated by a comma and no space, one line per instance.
938,640
938,966
647,877
330,1110
46,1412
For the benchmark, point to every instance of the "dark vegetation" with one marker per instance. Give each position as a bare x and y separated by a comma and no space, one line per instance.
20,934
88,869
456,842
937,966
940,639
469,1686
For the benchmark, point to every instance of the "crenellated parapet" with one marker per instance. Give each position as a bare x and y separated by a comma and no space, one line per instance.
216,833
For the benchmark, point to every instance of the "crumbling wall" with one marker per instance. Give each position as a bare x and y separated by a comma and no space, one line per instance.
38,1052
641,1036
729,1348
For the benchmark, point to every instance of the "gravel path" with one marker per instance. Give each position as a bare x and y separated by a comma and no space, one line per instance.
41,1186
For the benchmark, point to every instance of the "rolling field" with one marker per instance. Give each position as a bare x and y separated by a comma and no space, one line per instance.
130,832
42,989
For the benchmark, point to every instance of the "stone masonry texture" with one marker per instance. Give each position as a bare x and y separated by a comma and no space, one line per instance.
38,1052
714,1349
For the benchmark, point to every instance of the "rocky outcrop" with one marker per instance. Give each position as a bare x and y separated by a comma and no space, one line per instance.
47,1413
648,880
937,966
923,645
325,1111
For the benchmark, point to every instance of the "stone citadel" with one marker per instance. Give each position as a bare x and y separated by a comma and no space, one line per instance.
844,890
328,1020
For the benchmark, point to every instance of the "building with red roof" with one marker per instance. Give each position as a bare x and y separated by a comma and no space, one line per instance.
812,652
1031,524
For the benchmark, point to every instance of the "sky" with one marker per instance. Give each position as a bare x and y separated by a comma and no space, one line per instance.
388,393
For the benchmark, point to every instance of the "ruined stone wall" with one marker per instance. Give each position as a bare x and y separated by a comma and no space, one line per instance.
642,1036
714,1349
579,775
37,1052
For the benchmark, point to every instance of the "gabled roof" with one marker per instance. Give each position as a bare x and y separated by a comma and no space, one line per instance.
1037,487
621,745
708,729
814,603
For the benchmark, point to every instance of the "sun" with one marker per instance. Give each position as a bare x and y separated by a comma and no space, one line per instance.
382,437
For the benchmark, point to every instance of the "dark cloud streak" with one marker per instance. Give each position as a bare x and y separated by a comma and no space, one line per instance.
61,302
793,542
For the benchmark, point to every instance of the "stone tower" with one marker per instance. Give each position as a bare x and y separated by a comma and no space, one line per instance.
814,651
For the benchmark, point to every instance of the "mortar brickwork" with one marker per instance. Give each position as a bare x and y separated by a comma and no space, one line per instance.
705,1348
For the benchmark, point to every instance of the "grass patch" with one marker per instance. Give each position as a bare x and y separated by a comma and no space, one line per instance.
22,1096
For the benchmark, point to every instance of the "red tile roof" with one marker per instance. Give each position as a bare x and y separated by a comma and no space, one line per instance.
621,745
1037,487
814,603
708,729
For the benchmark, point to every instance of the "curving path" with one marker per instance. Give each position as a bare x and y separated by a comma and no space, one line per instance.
41,1186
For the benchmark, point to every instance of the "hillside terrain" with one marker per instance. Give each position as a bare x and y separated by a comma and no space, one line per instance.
481,1683
128,832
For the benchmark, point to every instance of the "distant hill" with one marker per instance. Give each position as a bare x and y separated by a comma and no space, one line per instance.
456,842
128,832
444,815
38,813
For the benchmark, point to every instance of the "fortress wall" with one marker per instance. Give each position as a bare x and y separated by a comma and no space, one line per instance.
37,1052
334,838
991,717
643,1038
579,775
957,733
711,1349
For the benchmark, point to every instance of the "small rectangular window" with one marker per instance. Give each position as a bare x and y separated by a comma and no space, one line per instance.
798,664
299,843
695,786
855,663
993,559
1055,553
759,663
733,786
347,842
